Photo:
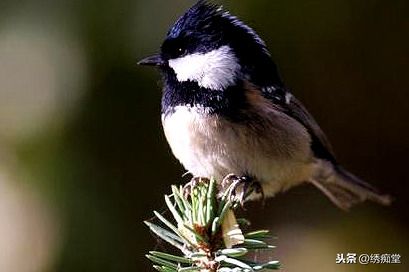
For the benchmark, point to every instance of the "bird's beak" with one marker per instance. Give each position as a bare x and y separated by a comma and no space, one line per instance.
154,60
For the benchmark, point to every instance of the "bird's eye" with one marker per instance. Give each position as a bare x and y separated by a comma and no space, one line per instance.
181,51
175,48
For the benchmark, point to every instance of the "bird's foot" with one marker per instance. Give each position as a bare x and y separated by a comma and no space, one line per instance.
239,188
187,189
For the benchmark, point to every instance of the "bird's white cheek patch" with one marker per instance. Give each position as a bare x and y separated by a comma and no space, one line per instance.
217,69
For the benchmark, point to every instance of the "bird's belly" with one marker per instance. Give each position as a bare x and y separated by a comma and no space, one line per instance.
210,146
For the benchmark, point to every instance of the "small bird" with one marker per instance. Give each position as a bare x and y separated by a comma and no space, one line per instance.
226,110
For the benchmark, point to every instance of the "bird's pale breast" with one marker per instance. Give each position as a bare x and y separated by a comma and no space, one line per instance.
275,151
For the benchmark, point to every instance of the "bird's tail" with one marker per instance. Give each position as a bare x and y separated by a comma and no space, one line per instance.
344,189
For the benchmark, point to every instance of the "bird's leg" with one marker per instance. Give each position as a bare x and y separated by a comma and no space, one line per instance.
241,187
252,186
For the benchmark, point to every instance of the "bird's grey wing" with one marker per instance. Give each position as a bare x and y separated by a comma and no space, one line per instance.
342,187
293,108
319,141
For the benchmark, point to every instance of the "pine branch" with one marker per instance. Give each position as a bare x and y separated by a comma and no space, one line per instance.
206,231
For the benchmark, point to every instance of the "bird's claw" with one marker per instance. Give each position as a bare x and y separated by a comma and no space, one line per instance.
239,188
187,188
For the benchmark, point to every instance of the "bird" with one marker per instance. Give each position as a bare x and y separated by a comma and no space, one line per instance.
225,109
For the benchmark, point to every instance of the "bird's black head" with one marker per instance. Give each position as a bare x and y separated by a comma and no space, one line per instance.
215,50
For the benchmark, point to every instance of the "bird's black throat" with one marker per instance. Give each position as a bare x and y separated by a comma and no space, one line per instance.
229,102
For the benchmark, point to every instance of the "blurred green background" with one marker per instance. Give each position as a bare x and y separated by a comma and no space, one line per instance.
83,160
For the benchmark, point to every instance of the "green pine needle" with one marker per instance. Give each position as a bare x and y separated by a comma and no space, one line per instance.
197,232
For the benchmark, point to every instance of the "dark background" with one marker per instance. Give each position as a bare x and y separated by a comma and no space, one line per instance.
80,132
